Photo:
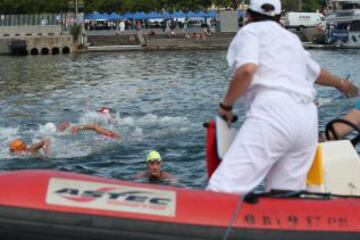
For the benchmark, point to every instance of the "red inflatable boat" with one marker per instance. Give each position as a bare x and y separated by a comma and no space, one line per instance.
60,205
38,204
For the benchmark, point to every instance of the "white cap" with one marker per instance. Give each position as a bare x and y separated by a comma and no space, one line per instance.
255,5
50,127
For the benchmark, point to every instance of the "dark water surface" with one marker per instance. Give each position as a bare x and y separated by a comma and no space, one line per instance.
161,100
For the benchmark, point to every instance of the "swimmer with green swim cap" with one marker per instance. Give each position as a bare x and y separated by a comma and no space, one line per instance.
153,156
154,172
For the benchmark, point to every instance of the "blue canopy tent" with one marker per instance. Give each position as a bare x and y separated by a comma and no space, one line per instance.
153,15
97,16
211,14
192,14
201,14
88,16
106,16
179,14
114,16
165,15
139,15
127,15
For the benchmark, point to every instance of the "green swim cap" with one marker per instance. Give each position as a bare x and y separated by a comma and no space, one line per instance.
153,156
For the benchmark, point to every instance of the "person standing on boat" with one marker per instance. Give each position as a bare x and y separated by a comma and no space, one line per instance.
275,76
154,172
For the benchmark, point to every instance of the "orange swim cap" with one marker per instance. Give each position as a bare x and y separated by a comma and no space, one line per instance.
17,145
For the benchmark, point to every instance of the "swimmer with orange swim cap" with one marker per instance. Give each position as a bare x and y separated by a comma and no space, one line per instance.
18,146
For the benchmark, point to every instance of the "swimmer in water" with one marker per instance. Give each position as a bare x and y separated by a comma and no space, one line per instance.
108,114
94,127
19,147
65,126
105,110
154,172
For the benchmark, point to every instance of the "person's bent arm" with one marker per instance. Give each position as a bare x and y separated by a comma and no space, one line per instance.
96,128
344,86
106,132
240,82
35,147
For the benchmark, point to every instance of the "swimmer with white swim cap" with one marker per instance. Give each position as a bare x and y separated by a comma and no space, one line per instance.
65,126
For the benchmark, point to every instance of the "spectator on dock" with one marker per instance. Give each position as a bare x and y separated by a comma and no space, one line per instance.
122,26
138,25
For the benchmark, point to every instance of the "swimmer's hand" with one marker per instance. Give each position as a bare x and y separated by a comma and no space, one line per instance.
46,146
43,144
109,133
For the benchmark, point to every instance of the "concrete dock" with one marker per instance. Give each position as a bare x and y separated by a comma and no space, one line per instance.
109,41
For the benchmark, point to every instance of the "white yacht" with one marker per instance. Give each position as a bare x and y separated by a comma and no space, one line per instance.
343,23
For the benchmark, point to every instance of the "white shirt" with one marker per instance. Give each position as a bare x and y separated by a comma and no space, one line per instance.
282,63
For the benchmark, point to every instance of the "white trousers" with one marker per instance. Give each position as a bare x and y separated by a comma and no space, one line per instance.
276,143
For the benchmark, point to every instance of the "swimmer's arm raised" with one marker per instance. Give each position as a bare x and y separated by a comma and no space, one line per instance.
96,128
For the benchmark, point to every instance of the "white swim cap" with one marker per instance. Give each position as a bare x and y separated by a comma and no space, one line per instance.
50,127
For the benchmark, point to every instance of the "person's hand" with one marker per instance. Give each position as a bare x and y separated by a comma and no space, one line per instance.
110,134
227,115
46,146
348,88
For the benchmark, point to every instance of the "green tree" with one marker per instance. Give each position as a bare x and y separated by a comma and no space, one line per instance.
311,5
55,6
306,5
32,6
234,4
187,5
